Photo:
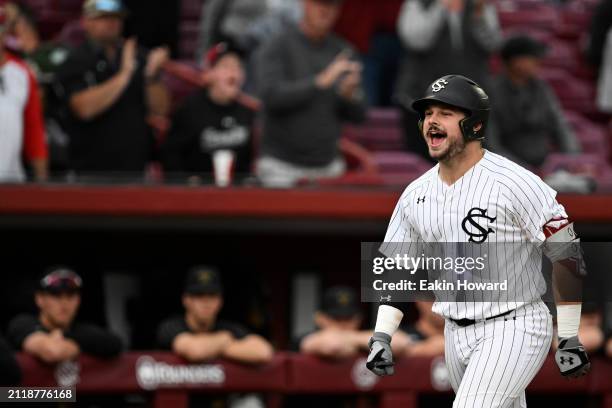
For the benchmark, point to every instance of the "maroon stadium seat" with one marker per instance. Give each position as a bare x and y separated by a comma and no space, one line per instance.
400,162
72,34
588,164
540,15
188,38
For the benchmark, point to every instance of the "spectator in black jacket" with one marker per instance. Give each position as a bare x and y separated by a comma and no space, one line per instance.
211,120
54,336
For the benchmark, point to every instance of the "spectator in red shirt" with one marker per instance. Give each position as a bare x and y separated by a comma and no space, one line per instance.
22,133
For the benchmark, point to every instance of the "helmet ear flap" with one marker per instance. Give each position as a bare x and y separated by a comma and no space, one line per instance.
467,128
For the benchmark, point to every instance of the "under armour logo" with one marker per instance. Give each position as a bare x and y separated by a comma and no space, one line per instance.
481,235
439,85
568,360
420,200
385,298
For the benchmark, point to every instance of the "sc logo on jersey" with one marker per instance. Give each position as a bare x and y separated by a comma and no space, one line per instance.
480,235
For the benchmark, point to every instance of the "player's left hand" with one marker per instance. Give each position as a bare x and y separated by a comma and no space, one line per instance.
571,358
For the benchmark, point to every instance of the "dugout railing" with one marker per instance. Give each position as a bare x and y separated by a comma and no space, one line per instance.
169,380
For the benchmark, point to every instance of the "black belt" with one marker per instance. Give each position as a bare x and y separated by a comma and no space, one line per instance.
469,322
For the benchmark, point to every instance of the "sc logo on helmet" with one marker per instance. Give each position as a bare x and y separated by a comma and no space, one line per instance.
439,85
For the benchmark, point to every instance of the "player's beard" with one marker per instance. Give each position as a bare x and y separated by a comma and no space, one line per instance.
456,146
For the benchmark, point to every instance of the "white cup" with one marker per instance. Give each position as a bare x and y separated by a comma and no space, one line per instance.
223,161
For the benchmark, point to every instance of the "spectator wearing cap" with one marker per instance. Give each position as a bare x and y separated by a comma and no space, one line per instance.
200,335
111,86
54,336
526,121
310,83
22,134
441,37
337,334
212,119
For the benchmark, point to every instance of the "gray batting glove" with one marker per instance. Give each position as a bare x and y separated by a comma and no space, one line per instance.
380,360
571,358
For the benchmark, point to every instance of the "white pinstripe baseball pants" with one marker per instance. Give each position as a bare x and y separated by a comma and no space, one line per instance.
491,363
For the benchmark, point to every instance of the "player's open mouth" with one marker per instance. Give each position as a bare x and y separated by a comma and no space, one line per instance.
436,137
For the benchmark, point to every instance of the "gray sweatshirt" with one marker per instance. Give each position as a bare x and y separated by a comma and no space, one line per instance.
302,123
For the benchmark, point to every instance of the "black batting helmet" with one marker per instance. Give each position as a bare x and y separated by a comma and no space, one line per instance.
463,93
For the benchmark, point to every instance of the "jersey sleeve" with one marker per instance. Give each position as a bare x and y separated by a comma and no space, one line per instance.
536,206
20,328
167,331
95,340
401,237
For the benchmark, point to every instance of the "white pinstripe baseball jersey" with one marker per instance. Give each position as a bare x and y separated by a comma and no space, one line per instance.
496,201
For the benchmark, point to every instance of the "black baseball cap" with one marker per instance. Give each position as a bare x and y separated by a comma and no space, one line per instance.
522,46
60,279
340,302
203,280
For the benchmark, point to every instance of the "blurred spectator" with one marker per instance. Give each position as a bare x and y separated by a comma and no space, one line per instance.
376,39
199,335
111,86
601,23
44,58
526,118
338,333
154,22
211,119
604,86
426,334
245,23
54,336
22,133
10,373
442,36
309,83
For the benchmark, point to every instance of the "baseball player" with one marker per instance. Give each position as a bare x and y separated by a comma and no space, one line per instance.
493,349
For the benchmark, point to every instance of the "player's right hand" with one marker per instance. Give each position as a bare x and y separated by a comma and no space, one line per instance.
571,358
380,360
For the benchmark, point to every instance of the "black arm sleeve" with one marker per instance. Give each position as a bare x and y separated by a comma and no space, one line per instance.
167,332
21,327
95,340
237,330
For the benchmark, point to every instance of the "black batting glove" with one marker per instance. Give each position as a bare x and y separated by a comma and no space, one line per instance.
380,359
571,358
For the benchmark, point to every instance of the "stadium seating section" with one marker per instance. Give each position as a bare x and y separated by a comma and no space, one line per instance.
563,26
